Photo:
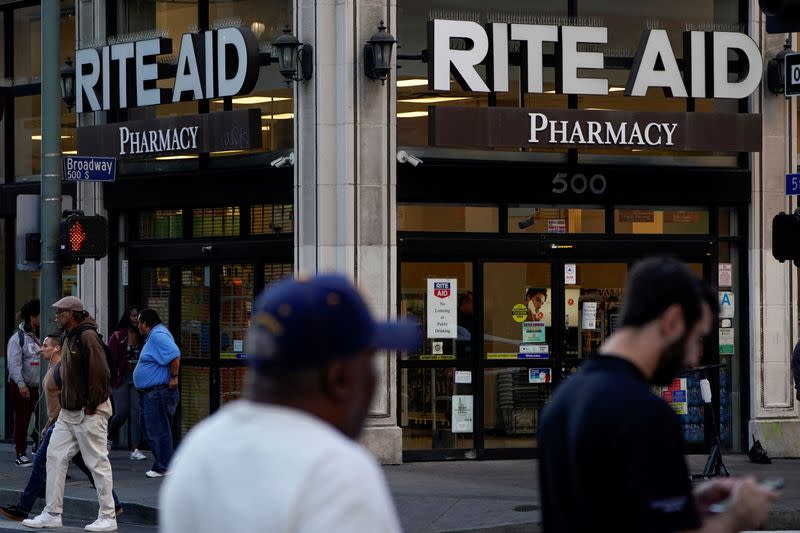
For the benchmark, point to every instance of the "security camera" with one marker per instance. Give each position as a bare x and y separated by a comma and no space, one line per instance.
405,157
287,160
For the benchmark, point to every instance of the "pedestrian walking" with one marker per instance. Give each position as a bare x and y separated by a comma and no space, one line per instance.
156,378
23,376
51,387
308,392
126,344
611,452
82,423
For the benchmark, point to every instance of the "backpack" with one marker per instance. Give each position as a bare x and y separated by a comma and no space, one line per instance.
110,361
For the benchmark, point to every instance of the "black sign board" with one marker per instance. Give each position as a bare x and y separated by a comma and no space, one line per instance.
791,74
211,132
511,127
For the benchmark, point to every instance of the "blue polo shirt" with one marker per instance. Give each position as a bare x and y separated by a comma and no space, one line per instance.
158,352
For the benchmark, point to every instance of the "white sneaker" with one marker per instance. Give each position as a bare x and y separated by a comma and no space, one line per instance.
44,520
136,455
102,524
153,473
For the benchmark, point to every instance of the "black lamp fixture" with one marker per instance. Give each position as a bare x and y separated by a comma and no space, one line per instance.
292,53
776,76
378,54
68,83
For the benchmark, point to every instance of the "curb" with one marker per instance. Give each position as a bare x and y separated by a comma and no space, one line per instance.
80,509
528,527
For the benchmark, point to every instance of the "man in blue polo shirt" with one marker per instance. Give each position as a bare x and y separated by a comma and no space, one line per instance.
156,378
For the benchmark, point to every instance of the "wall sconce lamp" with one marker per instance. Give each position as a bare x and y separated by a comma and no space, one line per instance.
378,54
776,77
68,83
292,52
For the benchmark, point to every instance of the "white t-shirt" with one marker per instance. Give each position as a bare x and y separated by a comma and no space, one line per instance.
270,469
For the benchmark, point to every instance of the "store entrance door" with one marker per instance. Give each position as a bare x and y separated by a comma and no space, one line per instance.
522,327
207,307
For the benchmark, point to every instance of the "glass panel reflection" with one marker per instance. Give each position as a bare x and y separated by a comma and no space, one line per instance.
513,399
430,399
196,312
413,303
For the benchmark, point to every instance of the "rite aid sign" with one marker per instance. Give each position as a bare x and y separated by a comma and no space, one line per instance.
654,65
211,64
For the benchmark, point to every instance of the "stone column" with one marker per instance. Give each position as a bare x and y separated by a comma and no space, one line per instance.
93,287
345,176
773,290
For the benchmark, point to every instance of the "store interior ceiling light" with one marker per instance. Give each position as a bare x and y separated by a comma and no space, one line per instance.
413,82
39,137
70,152
227,152
252,100
412,114
173,157
279,116
434,99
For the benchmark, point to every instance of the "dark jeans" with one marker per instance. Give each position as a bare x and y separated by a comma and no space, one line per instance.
23,409
157,408
126,408
36,483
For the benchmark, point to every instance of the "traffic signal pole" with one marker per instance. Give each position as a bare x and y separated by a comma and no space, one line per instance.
50,280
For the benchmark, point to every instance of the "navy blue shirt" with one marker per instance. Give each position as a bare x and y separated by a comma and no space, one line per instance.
611,455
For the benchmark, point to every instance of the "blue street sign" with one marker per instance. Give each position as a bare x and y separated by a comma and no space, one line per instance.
82,168
792,183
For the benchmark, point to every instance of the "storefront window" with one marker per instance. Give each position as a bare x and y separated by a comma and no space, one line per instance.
156,291
442,217
548,219
426,409
414,282
236,305
28,40
165,224
277,271
216,222
658,221
195,396
268,219
27,138
231,384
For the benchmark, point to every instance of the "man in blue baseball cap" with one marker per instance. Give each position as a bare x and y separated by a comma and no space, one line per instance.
285,458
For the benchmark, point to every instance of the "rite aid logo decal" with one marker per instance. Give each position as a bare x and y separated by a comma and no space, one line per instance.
441,289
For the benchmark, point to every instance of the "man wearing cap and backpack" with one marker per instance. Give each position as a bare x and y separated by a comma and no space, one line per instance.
82,423
285,458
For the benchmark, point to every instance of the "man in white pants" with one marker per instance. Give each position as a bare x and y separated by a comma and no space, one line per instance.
82,424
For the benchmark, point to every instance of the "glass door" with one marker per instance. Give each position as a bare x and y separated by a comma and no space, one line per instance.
592,297
437,408
517,348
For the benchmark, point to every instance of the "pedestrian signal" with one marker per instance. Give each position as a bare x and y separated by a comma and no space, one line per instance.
83,237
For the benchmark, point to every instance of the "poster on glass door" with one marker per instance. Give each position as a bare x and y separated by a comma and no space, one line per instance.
441,308
462,414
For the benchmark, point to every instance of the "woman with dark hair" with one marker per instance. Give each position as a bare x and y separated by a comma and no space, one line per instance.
126,343
22,354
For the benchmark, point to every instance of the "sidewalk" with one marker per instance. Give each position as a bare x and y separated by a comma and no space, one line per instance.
462,496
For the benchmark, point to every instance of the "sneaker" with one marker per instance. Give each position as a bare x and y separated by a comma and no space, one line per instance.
12,513
44,520
23,461
153,473
102,524
136,455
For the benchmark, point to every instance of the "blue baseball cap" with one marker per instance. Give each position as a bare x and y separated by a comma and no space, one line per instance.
312,320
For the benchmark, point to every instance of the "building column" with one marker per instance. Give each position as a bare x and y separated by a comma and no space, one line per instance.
345,177
93,287
774,412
